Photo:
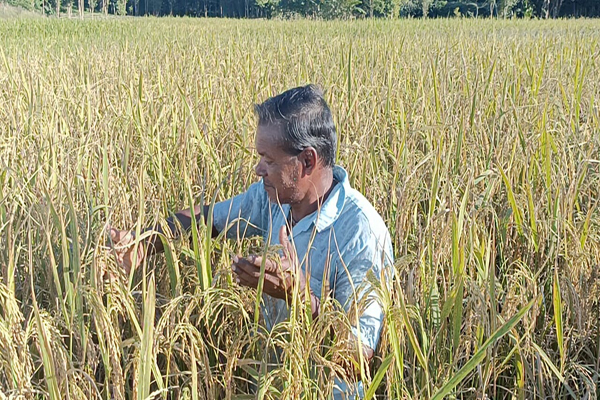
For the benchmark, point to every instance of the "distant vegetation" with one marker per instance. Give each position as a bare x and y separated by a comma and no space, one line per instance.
324,9
10,11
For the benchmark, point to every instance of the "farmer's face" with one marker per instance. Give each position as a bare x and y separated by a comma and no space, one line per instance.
281,172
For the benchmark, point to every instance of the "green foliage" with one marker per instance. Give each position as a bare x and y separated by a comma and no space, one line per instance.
25,4
121,7
341,9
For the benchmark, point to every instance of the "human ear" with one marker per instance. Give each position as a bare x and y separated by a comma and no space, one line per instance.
309,159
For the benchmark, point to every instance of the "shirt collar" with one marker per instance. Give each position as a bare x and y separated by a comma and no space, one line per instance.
331,209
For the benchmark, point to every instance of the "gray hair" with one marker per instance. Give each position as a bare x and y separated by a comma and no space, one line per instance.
305,119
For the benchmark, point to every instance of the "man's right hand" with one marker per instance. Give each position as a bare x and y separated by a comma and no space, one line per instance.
123,245
123,242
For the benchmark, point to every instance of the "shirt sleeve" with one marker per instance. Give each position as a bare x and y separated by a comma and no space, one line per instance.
366,252
244,215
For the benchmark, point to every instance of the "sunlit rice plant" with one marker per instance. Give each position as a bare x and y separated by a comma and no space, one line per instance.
478,141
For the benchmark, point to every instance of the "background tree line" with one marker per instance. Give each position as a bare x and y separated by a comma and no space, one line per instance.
326,9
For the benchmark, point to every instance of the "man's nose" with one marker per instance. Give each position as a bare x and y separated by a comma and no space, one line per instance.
260,169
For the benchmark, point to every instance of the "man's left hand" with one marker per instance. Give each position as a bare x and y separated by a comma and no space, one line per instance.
281,275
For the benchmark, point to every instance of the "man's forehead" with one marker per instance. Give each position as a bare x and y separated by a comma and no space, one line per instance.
267,136
270,131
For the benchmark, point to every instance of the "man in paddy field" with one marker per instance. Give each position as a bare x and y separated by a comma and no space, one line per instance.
337,236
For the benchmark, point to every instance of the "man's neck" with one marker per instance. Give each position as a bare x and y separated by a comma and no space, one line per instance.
315,197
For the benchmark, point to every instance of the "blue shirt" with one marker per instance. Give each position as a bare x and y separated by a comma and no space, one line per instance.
336,245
